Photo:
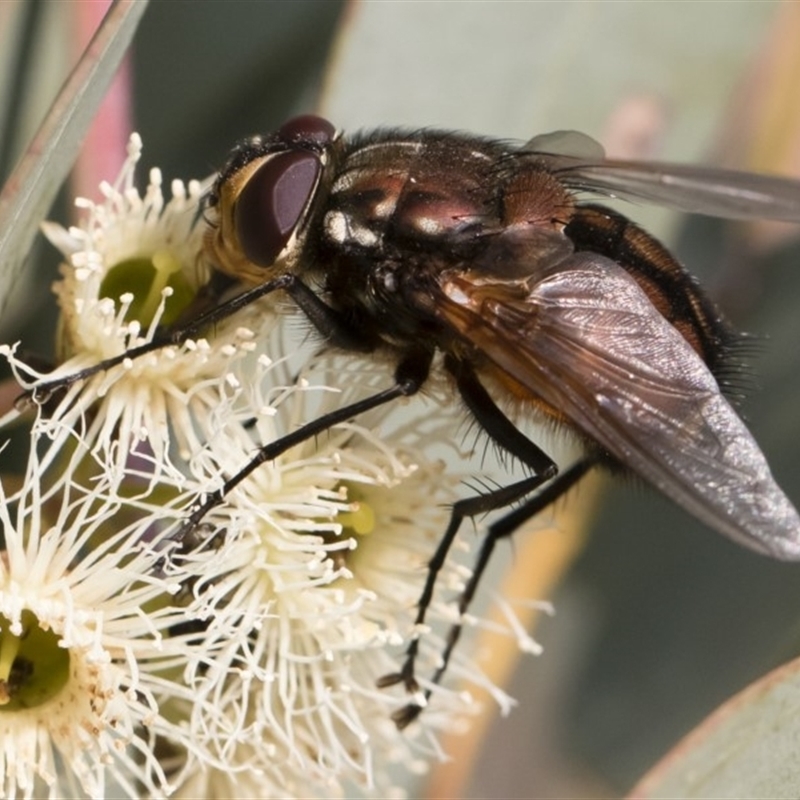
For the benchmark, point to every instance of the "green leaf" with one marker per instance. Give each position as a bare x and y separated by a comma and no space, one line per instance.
747,748
33,184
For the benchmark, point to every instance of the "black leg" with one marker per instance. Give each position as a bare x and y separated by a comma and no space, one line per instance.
507,436
503,527
495,423
168,336
410,374
463,509
325,319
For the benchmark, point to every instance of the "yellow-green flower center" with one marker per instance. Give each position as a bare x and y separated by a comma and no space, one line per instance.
356,522
360,519
33,667
145,278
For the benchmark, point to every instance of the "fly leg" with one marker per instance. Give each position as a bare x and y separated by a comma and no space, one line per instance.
502,528
466,508
410,374
322,316
508,437
174,335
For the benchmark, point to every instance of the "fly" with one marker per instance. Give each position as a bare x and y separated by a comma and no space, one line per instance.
425,244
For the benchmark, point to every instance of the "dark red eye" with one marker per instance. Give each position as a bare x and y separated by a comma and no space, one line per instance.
308,129
271,205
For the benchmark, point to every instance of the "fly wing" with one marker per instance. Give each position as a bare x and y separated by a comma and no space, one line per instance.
585,339
578,161
697,190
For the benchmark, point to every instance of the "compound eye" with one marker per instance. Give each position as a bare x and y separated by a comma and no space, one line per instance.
308,129
271,204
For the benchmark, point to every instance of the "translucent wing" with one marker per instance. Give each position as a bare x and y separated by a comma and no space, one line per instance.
585,339
567,143
578,161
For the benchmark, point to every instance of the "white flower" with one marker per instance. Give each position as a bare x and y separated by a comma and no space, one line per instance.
250,649
133,263
86,655
311,598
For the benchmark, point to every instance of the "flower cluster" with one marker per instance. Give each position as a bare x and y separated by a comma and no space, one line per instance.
239,658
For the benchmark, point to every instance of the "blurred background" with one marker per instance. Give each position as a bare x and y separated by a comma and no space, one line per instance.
657,619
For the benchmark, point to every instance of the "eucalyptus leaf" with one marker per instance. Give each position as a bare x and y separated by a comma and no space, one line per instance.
33,184
747,748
